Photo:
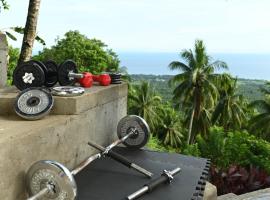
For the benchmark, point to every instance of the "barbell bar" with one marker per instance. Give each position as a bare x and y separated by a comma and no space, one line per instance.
53,180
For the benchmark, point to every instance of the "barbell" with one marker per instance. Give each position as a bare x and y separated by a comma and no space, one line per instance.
53,180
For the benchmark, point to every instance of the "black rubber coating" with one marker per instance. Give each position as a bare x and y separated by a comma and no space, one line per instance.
52,76
157,182
119,158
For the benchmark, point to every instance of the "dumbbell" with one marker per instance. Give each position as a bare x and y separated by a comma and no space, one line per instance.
68,75
35,74
166,177
53,180
103,79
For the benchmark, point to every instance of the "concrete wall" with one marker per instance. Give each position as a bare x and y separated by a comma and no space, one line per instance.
3,59
56,137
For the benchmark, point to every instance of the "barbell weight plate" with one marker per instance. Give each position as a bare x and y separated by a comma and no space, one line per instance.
51,78
57,175
67,91
29,74
129,122
33,103
63,71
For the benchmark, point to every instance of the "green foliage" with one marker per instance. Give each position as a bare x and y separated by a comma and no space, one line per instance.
17,29
234,148
230,109
144,101
13,58
260,124
248,88
169,129
89,54
157,145
192,150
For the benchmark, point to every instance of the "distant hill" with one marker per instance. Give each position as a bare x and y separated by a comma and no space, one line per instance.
247,87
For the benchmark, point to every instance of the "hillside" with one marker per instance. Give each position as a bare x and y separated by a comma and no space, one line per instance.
247,87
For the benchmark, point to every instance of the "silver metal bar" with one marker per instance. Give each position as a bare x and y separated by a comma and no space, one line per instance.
40,194
120,141
75,75
98,155
141,170
85,163
138,193
175,171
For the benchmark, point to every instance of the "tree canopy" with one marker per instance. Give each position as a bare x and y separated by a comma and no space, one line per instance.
89,54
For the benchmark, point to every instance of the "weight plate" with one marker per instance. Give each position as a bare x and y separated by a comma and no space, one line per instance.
33,103
29,74
66,67
67,91
51,78
116,82
46,172
134,122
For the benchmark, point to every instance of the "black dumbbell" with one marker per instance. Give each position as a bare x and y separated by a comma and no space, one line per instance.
34,73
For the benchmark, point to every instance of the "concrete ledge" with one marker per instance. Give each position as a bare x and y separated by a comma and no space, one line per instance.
57,137
94,96
210,192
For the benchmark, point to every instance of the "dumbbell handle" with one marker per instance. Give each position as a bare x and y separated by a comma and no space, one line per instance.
166,177
121,159
71,74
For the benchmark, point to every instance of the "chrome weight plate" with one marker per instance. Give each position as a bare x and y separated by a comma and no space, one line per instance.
33,103
67,91
131,123
63,71
46,172
29,74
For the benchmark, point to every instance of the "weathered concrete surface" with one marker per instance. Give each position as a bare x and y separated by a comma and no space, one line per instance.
94,96
56,137
263,194
3,59
210,192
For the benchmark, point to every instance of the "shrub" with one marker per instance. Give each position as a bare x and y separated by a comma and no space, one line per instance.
89,54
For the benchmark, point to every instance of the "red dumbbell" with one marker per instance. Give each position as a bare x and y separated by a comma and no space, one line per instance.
86,80
103,79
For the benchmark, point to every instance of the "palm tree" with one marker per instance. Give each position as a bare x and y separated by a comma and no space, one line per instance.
260,124
29,31
169,129
196,86
230,110
143,101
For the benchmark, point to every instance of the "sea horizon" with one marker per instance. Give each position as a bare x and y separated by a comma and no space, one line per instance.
242,65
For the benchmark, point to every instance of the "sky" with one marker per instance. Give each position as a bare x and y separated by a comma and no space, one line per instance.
226,26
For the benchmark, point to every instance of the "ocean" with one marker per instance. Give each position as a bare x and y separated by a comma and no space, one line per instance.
249,66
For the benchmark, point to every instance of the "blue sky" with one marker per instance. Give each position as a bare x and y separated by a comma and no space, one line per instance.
227,26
